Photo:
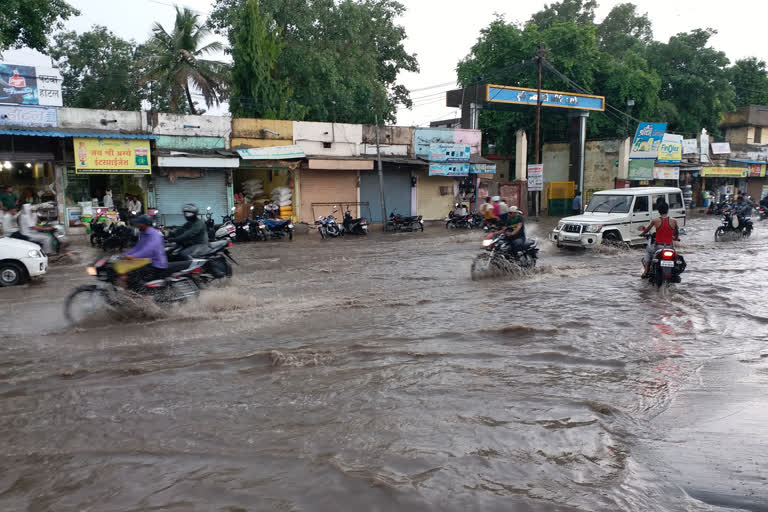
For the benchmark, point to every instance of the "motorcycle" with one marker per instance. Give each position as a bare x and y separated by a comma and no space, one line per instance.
733,228
215,256
120,237
718,208
399,222
763,212
666,265
499,256
454,221
354,226
115,286
328,227
225,230
276,228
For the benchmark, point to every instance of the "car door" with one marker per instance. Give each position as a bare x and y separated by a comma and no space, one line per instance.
676,207
641,216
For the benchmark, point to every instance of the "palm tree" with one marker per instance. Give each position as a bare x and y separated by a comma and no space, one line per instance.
176,59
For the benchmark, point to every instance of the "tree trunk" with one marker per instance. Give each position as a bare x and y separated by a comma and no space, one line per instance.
189,99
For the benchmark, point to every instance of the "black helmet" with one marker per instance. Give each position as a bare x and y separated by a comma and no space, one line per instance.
190,208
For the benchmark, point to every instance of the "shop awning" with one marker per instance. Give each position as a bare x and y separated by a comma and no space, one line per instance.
271,153
55,132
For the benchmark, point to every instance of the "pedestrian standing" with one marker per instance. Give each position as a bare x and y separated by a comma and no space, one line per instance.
576,205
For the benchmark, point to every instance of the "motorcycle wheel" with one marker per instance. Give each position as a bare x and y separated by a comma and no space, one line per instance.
480,266
389,226
290,235
322,233
747,232
719,234
450,225
85,302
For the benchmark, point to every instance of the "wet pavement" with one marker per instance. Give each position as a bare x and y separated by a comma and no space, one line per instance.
374,374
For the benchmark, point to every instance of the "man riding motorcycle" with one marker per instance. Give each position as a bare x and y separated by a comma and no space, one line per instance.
193,232
742,209
513,227
150,246
666,233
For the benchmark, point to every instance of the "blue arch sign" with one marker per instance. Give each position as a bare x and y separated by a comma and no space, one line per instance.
523,96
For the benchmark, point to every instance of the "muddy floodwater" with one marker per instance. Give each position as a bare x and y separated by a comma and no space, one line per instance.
374,375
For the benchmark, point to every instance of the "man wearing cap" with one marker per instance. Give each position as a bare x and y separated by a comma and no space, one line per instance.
150,246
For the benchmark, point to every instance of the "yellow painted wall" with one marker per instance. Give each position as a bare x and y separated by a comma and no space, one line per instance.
430,204
251,128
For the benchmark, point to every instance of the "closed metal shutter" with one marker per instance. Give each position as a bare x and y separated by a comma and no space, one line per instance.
209,190
397,192
319,186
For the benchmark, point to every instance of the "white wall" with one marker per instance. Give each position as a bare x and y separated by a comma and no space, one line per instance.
84,118
344,138
193,126
386,149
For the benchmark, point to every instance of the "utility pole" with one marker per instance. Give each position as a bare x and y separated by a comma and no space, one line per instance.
539,58
381,175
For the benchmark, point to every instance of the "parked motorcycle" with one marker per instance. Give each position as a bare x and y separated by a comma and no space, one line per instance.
763,212
399,222
328,227
115,286
354,226
499,257
454,221
276,228
215,256
733,227
666,266
224,231
121,237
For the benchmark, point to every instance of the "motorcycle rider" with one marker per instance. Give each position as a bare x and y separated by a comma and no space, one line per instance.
666,233
150,246
742,209
193,232
29,230
459,211
513,227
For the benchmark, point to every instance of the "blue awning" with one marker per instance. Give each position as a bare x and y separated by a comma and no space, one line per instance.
94,135
747,161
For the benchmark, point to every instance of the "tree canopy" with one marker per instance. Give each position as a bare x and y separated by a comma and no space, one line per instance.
28,23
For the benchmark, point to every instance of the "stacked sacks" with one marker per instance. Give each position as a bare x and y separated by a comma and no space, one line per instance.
282,197
253,189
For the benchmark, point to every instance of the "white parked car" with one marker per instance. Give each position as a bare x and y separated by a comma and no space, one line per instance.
19,261
617,216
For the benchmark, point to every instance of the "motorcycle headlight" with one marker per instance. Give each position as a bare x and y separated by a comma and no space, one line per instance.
487,243
34,253
290,226
91,271
593,228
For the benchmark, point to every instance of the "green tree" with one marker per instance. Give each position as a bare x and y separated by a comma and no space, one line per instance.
99,70
28,22
342,59
749,79
623,30
580,12
175,59
695,86
257,90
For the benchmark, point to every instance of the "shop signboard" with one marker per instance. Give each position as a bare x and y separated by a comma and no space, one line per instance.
449,169
272,153
721,148
30,85
704,148
442,152
670,152
689,146
112,156
666,173
724,172
647,140
757,170
482,168
640,169
28,116
535,177
523,96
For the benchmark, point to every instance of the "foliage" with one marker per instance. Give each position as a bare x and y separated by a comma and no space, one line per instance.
341,59
257,90
624,30
175,59
28,22
98,70
749,79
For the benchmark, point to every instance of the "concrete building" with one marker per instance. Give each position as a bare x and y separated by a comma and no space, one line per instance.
746,125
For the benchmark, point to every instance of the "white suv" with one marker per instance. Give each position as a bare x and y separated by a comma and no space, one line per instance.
617,216
19,261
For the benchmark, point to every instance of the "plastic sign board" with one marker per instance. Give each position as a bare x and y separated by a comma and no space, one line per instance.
523,96
442,152
731,172
482,169
535,177
670,153
666,173
112,156
30,85
640,169
721,148
28,116
449,169
689,146
647,140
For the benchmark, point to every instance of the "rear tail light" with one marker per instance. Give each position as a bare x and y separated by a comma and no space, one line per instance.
198,270
667,255
154,284
363,221
229,244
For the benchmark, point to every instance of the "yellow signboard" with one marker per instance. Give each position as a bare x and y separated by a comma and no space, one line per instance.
112,156
730,172
670,152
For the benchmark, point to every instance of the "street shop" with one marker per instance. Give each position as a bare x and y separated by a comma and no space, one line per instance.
267,175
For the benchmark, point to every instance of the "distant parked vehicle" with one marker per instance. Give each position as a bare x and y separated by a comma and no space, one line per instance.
399,222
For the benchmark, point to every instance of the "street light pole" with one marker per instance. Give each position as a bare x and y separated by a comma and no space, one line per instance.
381,175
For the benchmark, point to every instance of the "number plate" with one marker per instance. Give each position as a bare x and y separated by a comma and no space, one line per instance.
571,237
667,263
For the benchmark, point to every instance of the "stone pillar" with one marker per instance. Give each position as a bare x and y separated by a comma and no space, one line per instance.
624,147
521,156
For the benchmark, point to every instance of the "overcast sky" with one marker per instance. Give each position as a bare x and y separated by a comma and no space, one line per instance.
441,32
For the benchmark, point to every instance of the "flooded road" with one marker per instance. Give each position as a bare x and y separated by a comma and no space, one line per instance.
374,374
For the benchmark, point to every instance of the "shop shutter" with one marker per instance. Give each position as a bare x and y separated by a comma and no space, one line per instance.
397,192
209,190
326,187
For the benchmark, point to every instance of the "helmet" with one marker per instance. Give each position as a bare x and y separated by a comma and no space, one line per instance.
190,208
496,199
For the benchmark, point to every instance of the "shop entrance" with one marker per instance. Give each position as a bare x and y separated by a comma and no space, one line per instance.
32,182
257,186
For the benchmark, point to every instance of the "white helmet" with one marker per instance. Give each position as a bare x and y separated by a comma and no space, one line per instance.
496,199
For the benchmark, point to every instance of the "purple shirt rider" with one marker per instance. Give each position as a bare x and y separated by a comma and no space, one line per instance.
150,246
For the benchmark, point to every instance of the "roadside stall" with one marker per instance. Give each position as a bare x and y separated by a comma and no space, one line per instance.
267,175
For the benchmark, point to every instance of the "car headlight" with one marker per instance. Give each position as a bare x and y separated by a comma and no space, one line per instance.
593,228
34,253
487,243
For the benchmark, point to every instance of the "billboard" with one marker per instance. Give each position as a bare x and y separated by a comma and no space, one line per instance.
670,152
112,156
443,152
648,138
523,96
30,85
452,169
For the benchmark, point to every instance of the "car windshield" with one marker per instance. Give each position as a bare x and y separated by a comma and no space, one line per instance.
604,203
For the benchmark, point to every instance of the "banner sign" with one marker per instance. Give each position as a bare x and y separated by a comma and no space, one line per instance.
452,169
271,153
18,115
523,96
641,169
442,152
757,171
112,156
647,140
666,173
731,172
721,148
704,148
535,177
30,85
482,168
670,153
689,146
